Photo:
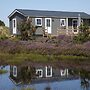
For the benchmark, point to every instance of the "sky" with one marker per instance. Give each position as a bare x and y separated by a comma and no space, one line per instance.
7,6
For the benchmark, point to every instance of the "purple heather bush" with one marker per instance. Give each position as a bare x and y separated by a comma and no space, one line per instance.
66,48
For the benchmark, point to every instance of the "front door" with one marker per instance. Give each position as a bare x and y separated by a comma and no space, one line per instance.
75,25
48,25
14,26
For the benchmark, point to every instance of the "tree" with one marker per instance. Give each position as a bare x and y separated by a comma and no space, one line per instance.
2,23
26,29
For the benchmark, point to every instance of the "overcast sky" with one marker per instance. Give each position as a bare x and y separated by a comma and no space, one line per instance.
7,6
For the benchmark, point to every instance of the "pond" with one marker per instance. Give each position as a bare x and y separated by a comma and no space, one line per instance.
7,82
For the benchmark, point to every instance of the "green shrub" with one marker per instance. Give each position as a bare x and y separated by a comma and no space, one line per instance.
4,32
83,35
26,29
2,23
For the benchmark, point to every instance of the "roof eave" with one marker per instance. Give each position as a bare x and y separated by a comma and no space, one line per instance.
16,10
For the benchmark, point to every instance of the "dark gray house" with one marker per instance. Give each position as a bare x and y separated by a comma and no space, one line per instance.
53,22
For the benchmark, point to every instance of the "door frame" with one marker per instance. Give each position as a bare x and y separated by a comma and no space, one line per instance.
48,28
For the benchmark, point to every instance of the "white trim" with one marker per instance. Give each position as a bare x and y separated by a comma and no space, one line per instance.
47,71
63,72
48,28
37,23
14,25
64,22
15,12
15,72
67,72
39,70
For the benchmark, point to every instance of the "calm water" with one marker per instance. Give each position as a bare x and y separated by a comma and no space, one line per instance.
7,84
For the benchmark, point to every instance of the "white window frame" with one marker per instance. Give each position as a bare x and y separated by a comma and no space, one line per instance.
15,75
64,22
39,70
36,23
64,72
47,71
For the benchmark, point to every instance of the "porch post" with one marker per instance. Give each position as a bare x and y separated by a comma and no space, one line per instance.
66,25
79,20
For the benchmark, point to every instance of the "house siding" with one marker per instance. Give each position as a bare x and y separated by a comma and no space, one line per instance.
55,25
39,28
19,18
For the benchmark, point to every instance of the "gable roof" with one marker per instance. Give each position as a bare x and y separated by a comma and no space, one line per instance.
44,13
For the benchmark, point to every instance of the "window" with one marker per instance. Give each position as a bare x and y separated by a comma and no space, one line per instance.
63,72
14,71
39,72
38,21
48,22
14,23
62,22
48,71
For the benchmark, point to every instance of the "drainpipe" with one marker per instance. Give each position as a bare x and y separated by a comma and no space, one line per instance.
79,21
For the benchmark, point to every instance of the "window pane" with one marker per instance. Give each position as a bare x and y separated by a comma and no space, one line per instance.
48,22
48,71
14,23
75,24
62,22
14,71
39,21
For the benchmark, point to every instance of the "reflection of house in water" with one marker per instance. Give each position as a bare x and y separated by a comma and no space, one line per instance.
40,72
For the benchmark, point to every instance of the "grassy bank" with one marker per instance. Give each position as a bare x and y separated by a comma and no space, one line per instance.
53,50
22,57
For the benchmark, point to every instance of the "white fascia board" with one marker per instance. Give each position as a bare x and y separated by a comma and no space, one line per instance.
15,12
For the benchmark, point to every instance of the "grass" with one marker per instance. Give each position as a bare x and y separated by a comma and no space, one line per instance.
69,57
3,71
20,58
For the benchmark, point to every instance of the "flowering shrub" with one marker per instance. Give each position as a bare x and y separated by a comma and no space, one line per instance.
13,47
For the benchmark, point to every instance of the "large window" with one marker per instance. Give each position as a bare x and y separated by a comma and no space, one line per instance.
14,71
38,21
62,22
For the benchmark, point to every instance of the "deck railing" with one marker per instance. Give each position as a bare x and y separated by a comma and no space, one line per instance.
69,32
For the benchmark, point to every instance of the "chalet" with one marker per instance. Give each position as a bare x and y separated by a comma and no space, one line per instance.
53,22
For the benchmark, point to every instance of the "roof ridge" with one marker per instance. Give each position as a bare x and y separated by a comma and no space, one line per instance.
51,11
